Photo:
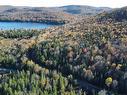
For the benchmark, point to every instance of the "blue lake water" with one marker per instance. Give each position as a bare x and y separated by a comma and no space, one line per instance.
23,25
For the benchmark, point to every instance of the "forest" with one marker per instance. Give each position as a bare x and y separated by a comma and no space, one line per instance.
86,57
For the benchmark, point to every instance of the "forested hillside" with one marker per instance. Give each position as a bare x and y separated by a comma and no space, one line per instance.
54,15
84,10
83,57
117,15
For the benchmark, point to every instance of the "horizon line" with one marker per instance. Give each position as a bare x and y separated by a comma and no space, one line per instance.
63,6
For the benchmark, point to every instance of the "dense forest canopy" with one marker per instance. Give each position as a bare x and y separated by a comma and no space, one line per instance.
85,56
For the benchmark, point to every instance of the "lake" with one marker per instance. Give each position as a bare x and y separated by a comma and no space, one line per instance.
23,25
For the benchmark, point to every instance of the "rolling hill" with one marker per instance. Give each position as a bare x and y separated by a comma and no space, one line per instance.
57,15
84,10
116,15
83,57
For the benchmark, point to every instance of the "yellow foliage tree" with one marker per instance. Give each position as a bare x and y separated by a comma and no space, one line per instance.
108,81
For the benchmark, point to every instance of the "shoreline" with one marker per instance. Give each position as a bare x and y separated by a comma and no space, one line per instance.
42,22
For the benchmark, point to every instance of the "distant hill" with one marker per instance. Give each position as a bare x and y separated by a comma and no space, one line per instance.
56,15
34,14
116,15
72,9
84,10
